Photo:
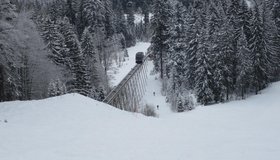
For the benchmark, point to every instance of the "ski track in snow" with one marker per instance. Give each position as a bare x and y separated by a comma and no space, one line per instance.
73,127
154,85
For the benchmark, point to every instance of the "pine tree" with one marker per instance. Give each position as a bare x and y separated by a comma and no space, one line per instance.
160,21
203,72
224,66
276,18
120,20
92,61
234,14
130,15
245,20
146,14
276,13
56,88
57,9
81,83
9,58
131,37
70,11
176,67
244,67
258,53
217,41
54,41
271,47
234,19
90,15
147,30
193,32
108,20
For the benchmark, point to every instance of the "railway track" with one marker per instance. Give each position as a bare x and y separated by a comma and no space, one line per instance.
130,90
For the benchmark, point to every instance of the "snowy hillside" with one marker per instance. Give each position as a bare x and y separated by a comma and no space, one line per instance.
73,127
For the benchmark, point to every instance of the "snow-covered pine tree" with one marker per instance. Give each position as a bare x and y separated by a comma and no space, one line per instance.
244,67
217,40
233,14
121,26
214,20
130,15
81,81
56,88
9,58
192,32
52,90
147,25
224,5
234,17
120,21
276,18
71,13
224,66
108,19
271,47
204,72
131,37
54,41
246,20
197,22
93,63
89,15
160,24
146,14
276,13
177,66
57,9
259,55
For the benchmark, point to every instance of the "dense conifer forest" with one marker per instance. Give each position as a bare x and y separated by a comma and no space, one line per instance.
215,51
50,48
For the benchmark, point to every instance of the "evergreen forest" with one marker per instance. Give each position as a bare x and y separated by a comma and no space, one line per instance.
212,51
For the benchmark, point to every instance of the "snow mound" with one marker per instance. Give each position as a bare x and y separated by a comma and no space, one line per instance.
73,127
59,110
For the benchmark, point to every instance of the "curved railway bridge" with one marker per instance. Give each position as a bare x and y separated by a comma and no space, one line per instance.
129,92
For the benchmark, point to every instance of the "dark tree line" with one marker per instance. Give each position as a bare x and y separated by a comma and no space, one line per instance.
50,48
215,50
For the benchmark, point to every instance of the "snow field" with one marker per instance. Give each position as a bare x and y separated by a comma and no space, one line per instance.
73,127
154,85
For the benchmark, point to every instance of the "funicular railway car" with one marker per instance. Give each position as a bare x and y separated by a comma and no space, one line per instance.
139,57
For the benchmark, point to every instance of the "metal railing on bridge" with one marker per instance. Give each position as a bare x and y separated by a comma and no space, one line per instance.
128,93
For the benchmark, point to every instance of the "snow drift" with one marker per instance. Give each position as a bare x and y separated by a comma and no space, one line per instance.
73,127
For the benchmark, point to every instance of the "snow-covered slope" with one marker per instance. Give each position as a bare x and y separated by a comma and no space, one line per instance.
117,73
73,127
